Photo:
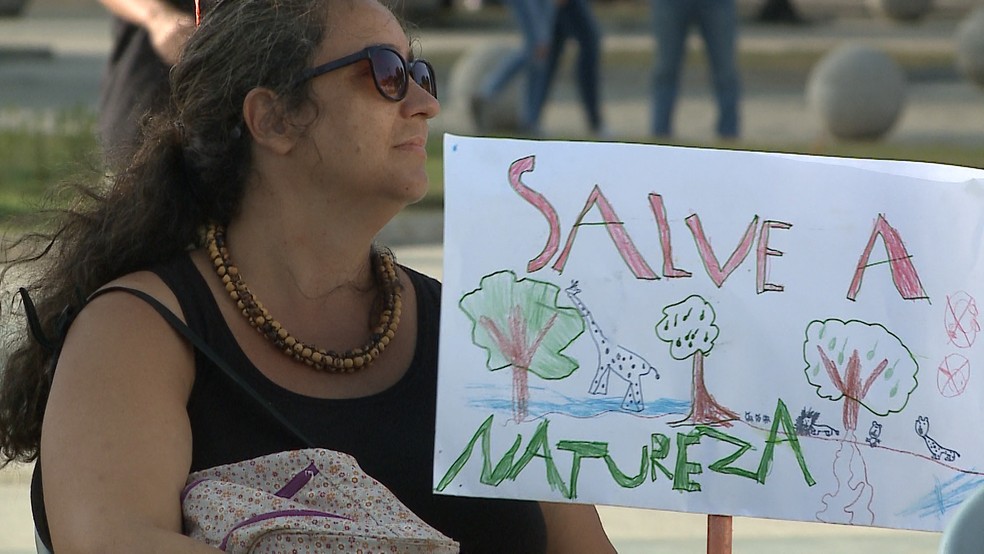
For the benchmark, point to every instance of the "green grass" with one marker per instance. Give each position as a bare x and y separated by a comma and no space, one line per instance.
40,154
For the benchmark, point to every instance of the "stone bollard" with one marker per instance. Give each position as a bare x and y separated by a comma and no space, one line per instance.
970,46
499,113
901,10
857,92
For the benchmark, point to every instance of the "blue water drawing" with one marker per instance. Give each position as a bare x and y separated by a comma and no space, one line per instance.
944,496
543,401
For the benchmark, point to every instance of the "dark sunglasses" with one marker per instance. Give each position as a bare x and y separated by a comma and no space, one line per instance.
389,71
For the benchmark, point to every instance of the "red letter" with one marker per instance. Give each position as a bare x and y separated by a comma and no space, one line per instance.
615,230
762,251
899,261
656,202
516,170
717,273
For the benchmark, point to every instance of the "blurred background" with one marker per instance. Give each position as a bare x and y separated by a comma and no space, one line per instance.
896,79
865,78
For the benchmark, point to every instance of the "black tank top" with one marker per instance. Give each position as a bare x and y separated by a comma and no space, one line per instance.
391,433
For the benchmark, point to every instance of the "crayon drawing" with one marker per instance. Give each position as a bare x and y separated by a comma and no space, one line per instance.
710,331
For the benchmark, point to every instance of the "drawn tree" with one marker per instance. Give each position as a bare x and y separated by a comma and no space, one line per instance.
861,365
689,328
520,325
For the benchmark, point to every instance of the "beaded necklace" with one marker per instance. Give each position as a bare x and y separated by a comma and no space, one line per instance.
318,358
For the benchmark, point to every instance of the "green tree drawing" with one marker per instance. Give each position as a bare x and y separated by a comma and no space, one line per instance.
860,365
520,325
688,326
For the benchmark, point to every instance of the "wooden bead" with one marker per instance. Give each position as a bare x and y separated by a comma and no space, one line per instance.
383,332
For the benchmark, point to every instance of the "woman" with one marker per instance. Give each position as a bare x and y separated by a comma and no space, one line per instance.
717,21
294,137
575,19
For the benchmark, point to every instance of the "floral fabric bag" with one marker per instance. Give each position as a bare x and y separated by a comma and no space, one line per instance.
303,501
295,502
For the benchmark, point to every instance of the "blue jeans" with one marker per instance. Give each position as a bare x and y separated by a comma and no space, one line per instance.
575,20
717,21
535,19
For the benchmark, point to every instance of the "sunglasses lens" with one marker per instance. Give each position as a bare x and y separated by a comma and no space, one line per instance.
390,74
423,75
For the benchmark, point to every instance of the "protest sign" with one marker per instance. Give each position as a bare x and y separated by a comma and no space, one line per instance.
711,331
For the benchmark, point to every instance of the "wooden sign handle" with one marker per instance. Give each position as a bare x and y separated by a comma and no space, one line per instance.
719,534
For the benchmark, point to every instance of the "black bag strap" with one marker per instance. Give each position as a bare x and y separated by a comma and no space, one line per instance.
204,348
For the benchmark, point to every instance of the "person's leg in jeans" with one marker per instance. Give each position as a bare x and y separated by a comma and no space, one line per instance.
671,20
718,22
501,74
558,38
536,23
577,20
533,17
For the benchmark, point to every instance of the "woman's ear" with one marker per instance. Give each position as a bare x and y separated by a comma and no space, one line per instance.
264,116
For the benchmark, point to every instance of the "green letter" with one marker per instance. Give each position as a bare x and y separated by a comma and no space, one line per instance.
624,480
685,469
538,442
660,448
721,466
489,476
582,449
782,416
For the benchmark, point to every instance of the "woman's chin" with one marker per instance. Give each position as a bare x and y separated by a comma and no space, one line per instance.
417,190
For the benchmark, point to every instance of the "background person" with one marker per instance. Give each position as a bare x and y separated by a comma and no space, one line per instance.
717,21
535,19
147,36
294,136
574,19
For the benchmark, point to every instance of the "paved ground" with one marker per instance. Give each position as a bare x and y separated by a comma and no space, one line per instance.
51,59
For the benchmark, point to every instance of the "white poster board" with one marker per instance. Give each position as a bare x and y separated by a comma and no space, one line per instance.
711,331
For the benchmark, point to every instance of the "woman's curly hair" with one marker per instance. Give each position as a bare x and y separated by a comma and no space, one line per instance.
191,168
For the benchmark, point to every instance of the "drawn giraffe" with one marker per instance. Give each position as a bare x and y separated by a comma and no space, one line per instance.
628,365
